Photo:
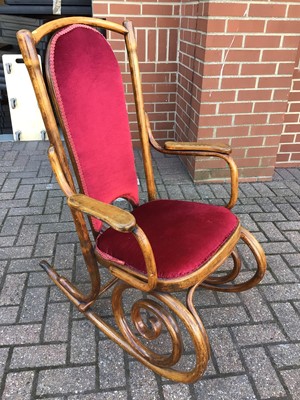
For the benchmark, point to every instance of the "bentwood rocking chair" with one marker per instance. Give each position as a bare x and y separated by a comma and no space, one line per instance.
160,247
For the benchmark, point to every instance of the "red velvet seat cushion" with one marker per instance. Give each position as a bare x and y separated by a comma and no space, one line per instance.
183,235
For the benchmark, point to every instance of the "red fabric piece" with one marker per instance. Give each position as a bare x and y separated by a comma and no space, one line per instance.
89,90
183,235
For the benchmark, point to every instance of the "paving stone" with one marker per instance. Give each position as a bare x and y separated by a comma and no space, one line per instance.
225,351
176,391
8,315
11,226
254,334
23,192
263,373
34,305
289,212
83,343
66,380
271,231
294,238
12,291
256,305
27,235
27,265
19,334
224,315
286,355
113,395
39,356
280,269
41,219
3,359
15,252
56,326
39,279
288,318
283,292
293,260
142,382
288,226
64,256
7,241
111,365
225,388
10,185
59,227
45,245
26,211
292,380
18,386
278,248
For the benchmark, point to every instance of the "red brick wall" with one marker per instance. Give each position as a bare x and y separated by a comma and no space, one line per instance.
219,70
248,53
156,26
289,150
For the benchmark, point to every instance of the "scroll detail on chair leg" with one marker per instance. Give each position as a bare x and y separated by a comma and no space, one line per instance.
165,310
220,283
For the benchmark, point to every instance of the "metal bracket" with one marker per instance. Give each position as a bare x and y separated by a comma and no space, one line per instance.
43,134
13,103
18,135
8,67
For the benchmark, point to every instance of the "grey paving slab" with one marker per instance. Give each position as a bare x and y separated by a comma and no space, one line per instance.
49,351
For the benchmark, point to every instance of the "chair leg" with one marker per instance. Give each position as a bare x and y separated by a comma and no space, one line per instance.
221,283
165,311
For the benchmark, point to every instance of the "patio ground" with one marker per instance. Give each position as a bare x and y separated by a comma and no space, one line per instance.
47,351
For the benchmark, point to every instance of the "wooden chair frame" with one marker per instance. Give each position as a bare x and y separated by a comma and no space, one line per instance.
165,305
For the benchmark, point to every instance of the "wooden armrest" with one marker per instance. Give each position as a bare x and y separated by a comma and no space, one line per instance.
198,146
115,217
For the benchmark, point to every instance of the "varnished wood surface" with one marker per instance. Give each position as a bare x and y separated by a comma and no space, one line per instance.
198,146
121,220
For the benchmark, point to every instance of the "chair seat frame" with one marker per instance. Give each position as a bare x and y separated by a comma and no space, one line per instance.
165,308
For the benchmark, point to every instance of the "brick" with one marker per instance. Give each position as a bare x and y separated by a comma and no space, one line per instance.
19,334
258,334
285,355
12,291
142,382
11,226
38,356
8,315
265,377
45,245
3,359
34,305
111,365
83,344
66,380
256,305
225,316
282,292
267,10
18,386
288,318
56,326
281,270
228,388
111,395
291,379
225,351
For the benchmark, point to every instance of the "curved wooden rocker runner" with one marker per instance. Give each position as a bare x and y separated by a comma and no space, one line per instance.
160,247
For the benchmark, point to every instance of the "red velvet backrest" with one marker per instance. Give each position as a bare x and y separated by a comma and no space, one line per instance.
88,88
